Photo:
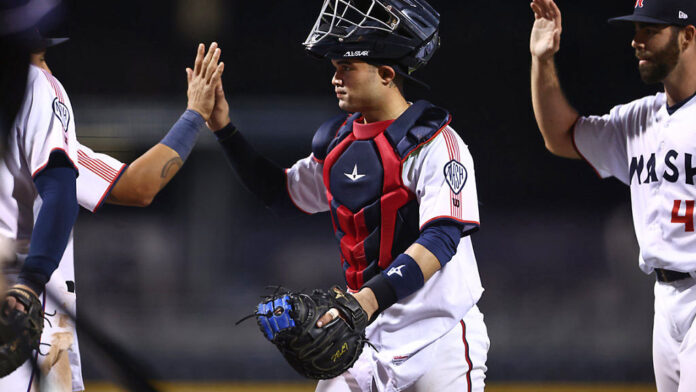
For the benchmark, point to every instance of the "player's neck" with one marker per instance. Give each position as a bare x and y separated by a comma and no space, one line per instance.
681,82
388,109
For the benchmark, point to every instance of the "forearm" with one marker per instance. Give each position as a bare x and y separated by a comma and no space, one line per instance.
409,272
262,177
152,171
54,222
379,294
146,177
554,115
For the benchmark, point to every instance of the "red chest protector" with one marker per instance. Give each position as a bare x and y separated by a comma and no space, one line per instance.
375,217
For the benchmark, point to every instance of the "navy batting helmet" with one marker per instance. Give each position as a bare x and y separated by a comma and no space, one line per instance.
400,32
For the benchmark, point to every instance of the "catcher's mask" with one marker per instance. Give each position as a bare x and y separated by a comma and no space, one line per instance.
392,32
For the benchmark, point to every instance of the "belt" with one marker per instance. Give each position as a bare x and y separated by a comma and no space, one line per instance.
667,276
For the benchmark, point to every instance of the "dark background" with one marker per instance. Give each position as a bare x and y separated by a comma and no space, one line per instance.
564,297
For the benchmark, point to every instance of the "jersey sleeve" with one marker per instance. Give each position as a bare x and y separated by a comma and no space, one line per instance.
601,141
98,174
305,185
441,174
50,123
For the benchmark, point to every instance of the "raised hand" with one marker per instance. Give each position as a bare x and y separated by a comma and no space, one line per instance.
545,39
204,79
220,116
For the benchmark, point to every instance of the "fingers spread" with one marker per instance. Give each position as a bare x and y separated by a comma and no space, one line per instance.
557,13
217,75
199,59
206,60
212,66
537,11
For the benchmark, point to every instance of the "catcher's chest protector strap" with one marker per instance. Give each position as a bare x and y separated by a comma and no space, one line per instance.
375,217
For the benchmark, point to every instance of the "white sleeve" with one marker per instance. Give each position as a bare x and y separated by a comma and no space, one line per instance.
601,141
98,174
441,174
305,185
50,124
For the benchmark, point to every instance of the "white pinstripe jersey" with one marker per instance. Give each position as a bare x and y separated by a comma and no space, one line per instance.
46,123
443,190
645,147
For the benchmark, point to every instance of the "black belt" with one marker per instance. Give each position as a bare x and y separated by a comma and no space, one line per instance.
668,276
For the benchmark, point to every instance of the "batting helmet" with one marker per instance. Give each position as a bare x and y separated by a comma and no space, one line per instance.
401,32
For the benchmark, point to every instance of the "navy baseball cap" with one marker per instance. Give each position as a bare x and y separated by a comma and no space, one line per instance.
670,12
36,41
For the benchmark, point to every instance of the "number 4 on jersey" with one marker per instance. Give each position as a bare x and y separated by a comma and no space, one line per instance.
688,218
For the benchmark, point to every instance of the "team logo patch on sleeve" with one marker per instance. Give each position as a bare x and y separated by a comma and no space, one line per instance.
456,176
61,111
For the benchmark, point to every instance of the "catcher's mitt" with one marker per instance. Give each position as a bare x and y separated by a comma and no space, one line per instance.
289,321
20,332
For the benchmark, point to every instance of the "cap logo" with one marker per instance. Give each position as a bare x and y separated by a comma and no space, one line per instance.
683,15
639,4
357,53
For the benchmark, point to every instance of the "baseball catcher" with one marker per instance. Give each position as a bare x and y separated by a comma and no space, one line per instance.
399,185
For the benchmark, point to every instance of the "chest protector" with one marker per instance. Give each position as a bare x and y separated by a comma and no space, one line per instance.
375,217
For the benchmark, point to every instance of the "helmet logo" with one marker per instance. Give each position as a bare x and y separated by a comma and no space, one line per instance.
357,53
639,4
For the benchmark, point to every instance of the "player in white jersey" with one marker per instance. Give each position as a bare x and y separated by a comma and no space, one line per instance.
102,178
649,145
399,184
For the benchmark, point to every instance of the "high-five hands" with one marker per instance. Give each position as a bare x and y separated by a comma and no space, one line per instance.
204,80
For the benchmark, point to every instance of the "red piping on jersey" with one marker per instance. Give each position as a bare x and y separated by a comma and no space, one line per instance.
448,217
453,151
449,120
108,190
575,146
97,166
54,84
98,163
466,355
49,157
287,188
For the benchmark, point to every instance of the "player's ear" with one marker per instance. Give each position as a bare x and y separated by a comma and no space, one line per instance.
386,74
688,36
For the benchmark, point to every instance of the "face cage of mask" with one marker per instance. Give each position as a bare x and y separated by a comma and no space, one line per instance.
338,14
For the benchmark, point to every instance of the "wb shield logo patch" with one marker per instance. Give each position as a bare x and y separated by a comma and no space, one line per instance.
61,111
456,175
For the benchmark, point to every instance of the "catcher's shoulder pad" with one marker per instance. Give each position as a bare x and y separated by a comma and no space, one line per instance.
418,124
325,135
